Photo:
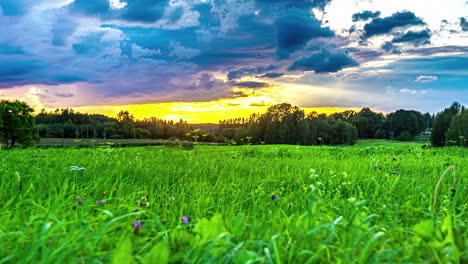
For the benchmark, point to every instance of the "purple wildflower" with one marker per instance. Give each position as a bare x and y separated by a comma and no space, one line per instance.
100,202
137,224
393,172
185,220
274,196
394,158
375,166
79,201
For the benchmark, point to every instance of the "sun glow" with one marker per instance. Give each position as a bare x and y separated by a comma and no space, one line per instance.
197,112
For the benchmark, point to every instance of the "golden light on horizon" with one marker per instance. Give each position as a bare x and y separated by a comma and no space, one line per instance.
198,112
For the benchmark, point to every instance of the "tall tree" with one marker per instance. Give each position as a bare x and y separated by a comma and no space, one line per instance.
457,134
16,123
442,123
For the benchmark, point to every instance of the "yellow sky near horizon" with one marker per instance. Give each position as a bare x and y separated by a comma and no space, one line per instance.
192,112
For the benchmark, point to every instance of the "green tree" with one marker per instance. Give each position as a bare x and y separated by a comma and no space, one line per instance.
457,133
367,122
442,123
406,120
16,123
343,133
126,124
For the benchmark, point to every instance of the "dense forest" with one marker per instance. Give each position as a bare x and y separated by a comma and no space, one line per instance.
285,124
280,124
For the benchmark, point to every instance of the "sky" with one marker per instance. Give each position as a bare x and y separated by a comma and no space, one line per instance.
206,60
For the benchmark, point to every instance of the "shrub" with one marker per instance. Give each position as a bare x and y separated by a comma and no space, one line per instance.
405,136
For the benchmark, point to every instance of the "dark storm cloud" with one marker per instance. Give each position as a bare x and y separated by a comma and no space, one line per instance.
416,38
324,61
62,30
388,47
365,15
464,24
145,11
237,74
295,29
253,85
14,69
381,26
161,47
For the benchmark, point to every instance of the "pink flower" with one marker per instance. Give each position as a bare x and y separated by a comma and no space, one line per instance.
185,220
137,224
100,202
393,172
79,201
274,196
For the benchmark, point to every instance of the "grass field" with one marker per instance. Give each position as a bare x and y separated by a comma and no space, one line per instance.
70,142
370,203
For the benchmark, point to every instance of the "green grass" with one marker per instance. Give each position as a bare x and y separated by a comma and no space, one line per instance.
332,205
70,142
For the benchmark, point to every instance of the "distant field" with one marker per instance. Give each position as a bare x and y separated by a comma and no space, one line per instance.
70,142
370,203
377,142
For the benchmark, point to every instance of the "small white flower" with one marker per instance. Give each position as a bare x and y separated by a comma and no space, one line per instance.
76,168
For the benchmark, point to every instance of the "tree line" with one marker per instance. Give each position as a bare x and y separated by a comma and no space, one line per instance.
287,124
280,124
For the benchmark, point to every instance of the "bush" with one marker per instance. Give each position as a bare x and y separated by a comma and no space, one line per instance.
381,134
141,133
116,137
405,136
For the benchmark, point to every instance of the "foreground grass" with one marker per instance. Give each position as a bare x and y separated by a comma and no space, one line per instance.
332,205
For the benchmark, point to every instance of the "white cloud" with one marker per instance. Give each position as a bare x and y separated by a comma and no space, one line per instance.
116,4
426,79
412,91
182,52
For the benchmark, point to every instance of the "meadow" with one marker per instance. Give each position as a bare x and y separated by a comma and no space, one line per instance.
369,203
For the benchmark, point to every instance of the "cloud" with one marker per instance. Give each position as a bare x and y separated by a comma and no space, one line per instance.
253,85
388,47
16,7
416,38
412,91
10,50
206,81
62,30
302,4
381,26
94,7
271,75
365,15
426,79
239,73
260,104
464,24
146,11
295,29
324,61
64,95
182,52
